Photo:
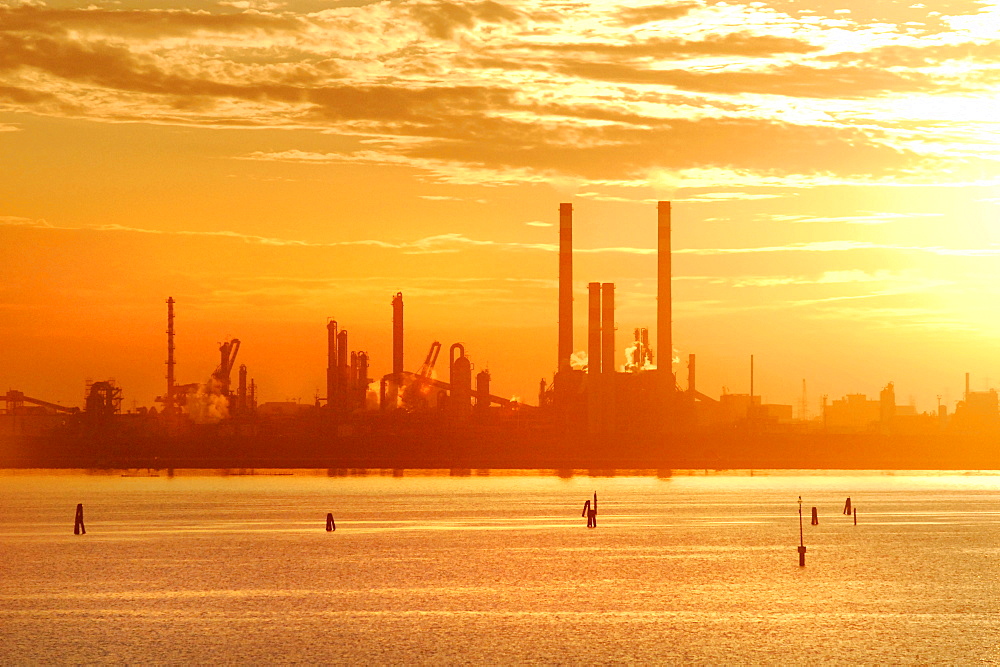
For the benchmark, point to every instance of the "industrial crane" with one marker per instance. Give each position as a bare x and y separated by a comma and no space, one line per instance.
415,393
227,352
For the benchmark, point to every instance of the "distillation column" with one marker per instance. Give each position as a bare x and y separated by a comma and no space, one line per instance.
331,364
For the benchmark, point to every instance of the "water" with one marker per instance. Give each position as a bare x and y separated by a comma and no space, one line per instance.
499,569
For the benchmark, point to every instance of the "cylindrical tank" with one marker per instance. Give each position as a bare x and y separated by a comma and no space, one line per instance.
483,390
461,388
361,372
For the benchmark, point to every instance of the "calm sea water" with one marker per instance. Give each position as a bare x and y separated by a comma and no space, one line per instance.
499,568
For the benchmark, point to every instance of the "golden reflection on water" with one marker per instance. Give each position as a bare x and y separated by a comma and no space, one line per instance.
432,566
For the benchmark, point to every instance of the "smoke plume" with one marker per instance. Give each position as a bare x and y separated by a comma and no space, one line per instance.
207,404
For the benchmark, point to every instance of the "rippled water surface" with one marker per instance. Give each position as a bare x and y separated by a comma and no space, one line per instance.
499,568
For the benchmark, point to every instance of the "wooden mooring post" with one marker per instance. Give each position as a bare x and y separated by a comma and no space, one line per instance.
78,528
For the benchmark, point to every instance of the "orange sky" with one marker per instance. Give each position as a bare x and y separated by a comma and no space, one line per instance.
834,173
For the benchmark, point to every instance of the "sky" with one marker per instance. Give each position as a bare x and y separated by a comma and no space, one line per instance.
833,167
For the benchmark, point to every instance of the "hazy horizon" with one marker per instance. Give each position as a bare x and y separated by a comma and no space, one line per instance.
833,174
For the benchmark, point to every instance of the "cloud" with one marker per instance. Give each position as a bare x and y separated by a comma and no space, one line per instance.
435,244
259,5
146,23
541,152
732,44
833,277
491,93
842,246
796,80
441,19
869,219
17,221
714,197
633,16
919,56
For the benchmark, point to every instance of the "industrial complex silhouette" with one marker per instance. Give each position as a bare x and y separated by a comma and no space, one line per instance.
594,412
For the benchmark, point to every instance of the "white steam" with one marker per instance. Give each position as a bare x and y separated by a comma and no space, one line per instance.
207,404
578,360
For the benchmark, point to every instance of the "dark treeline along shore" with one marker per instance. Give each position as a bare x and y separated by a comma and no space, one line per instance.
594,412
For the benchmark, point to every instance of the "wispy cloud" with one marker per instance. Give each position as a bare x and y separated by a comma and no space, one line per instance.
862,219
908,279
454,242
842,246
439,243
17,221
714,197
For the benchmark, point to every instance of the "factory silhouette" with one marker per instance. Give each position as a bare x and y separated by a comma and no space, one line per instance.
594,413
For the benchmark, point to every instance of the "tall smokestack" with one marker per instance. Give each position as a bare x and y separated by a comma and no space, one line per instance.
691,373
241,396
664,303
331,363
608,328
168,403
565,286
397,335
343,369
594,328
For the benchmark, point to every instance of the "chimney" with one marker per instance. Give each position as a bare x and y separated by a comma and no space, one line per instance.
594,328
168,400
241,396
565,286
397,335
331,363
608,328
691,373
664,303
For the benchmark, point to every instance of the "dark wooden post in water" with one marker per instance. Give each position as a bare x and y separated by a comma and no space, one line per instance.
78,528
855,516
590,512
330,525
815,520
847,507
802,546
